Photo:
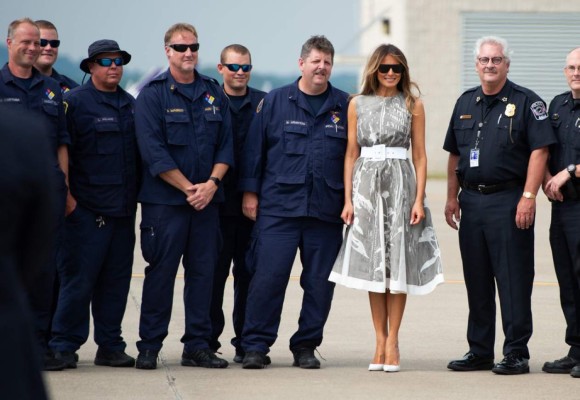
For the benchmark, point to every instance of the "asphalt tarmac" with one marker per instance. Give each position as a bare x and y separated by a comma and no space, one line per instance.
432,334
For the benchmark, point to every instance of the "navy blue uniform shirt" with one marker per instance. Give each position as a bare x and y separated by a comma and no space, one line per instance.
64,81
294,160
44,97
103,153
565,120
504,152
241,119
190,131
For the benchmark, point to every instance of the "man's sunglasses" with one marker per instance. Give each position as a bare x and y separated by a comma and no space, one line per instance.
236,67
107,62
53,43
385,68
182,48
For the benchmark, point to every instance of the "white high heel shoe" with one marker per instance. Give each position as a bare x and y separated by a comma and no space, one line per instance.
376,367
391,368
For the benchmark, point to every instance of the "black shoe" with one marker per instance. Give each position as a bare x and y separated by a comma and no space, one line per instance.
114,359
255,360
471,362
68,358
239,357
562,366
512,364
202,358
51,363
147,359
305,358
575,372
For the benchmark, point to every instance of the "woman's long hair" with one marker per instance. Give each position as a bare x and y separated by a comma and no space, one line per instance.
370,82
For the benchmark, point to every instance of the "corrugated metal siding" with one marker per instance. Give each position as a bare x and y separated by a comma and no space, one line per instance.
539,41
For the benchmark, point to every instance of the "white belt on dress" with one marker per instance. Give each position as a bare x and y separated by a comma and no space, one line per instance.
380,152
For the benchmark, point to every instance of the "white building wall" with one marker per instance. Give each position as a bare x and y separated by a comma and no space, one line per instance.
429,33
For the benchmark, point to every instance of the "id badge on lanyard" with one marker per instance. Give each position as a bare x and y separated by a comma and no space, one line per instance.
474,153
474,158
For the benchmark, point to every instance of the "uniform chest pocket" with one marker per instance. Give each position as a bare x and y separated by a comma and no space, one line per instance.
177,128
50,109
335,143
509,134
108,137
295,139
576,134
463,130
213,123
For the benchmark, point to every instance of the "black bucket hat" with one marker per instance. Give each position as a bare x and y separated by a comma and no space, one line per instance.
103,46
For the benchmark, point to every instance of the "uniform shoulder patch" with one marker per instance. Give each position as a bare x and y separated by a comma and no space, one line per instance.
259,108
539,110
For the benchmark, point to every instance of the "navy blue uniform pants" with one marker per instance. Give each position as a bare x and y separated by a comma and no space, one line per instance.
495,252
95,276
271,255
565,242
236,231
169,233
41,287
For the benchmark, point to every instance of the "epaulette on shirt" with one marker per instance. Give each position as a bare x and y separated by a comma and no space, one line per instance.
561,96
210,79
525,91
472,89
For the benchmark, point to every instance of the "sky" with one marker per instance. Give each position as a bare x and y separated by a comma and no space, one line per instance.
273,30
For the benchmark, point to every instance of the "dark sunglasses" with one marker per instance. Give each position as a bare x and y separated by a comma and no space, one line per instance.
182,48
107,62
385,68
236,67
53,43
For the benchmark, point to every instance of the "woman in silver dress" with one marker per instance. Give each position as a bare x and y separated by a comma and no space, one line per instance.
390,248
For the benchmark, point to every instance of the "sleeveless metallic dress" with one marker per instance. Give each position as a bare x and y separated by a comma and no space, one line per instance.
381,249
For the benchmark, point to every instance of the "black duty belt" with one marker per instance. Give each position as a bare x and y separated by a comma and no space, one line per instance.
493,188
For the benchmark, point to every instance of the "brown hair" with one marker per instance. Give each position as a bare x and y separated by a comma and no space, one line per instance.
179,27
16,23
236,48
370,82
44,24
320,43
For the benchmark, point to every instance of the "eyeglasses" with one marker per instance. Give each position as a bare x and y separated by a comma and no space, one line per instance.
53,43
237,67
571,69
182,48
385,68
494,60
107,62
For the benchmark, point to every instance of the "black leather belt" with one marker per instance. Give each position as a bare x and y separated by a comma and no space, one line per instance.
488,189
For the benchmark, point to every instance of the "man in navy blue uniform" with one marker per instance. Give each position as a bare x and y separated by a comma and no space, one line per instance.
49,44
497,142
235,68
25,224
562,186
292,178
23,87
185,137
97,260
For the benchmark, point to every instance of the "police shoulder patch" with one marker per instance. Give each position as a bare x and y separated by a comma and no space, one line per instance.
259,108
539,110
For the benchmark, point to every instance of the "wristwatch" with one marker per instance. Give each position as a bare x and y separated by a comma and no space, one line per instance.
215,180
529,195
571,170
